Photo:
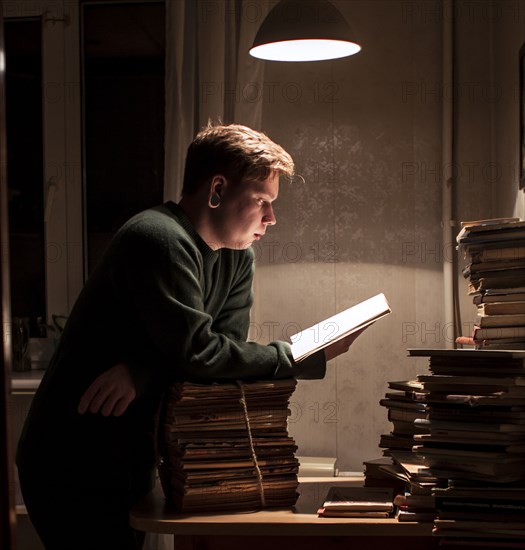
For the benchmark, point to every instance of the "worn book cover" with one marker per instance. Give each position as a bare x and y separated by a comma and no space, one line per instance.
357,502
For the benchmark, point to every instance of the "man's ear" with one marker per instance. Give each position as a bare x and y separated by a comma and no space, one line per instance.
217,186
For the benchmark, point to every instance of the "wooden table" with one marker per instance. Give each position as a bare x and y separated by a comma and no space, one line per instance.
290,529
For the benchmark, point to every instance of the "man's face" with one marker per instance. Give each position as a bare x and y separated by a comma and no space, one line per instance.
245,212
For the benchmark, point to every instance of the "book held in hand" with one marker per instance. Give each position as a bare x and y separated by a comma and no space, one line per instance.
339,326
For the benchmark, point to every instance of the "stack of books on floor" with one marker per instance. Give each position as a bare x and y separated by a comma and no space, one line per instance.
476,444
495,252
225,447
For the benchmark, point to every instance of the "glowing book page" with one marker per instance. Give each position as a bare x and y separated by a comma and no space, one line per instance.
335,328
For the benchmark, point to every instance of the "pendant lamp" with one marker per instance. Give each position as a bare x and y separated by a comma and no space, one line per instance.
304,30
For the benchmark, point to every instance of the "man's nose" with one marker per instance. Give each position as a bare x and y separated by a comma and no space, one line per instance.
269,217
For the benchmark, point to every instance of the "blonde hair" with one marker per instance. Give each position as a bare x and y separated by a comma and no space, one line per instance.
236,152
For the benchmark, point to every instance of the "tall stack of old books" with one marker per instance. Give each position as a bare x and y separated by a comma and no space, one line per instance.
405,402
495,252
475,445
226,447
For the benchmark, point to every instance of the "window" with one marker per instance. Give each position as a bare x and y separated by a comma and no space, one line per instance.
123,70
23,39
85,138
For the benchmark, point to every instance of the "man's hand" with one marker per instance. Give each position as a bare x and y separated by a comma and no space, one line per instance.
110,393
341,346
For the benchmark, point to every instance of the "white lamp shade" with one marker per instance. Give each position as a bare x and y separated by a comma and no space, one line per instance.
304,30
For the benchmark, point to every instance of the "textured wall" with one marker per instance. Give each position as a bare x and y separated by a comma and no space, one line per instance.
366,135
509,36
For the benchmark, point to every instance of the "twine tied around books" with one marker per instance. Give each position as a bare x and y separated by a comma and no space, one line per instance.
242,401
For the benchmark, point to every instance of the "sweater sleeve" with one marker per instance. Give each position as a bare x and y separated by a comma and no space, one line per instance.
234,321
161,280
234,318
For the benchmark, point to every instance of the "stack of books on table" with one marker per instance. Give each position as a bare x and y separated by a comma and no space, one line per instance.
225,447
405,403
416,502
495,252
381,472
357,502
483,514
476,444
410,481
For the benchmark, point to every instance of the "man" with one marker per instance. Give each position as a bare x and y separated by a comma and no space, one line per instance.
169,301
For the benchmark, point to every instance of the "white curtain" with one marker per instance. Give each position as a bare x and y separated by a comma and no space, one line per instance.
209,73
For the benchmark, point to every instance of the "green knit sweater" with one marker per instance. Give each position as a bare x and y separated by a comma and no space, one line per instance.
172,309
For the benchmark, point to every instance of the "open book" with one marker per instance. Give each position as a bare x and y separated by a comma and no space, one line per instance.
335,328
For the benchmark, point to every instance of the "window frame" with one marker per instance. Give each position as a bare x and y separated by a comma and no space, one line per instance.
62,154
